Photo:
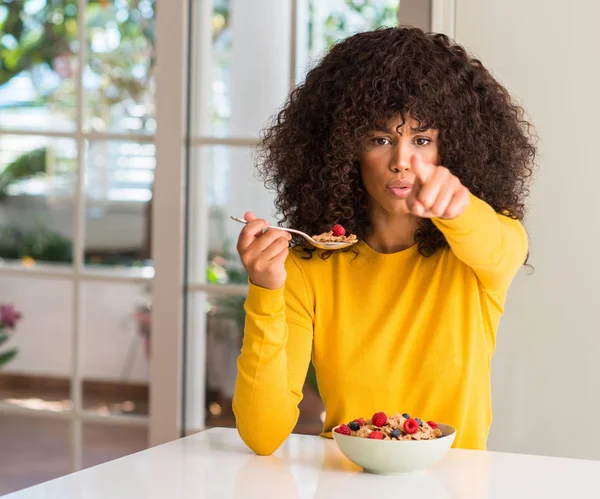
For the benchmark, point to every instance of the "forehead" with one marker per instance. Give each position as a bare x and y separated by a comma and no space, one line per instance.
407,120
405,123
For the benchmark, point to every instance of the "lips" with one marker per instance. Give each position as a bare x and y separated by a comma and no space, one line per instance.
399,188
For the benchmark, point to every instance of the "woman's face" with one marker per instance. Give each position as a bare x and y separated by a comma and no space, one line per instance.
385,162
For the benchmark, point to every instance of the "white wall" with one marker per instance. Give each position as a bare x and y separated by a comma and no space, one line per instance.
546,369
43,337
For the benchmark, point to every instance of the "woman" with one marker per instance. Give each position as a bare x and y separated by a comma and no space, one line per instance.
409,143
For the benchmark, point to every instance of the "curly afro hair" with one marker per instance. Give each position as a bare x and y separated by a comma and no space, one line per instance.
310,153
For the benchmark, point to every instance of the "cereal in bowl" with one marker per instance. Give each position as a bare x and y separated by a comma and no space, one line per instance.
397,427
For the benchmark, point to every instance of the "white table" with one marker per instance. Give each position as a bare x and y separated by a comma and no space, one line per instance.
216,464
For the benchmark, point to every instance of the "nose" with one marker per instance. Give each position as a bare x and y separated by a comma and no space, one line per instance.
400,161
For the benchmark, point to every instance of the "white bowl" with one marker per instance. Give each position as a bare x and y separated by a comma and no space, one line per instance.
386,457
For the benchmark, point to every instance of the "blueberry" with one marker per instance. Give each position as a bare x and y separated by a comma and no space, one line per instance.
406,415
419,421
354,426
395,433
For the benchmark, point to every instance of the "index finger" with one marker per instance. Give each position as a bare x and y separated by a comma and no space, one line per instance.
253,228
422,170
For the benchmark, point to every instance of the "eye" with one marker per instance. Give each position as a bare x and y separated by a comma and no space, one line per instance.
422,141
381,141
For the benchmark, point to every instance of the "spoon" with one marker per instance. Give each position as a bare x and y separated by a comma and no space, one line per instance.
316,244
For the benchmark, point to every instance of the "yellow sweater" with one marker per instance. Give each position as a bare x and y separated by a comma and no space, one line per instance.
387,332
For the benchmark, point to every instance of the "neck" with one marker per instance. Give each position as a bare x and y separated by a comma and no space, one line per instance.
392,233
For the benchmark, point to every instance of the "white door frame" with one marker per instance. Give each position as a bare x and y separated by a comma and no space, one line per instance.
168,221
443,17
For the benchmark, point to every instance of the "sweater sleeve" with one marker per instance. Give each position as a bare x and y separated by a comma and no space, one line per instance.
274,360
495,246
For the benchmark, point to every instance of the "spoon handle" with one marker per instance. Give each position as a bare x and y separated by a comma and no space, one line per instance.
294,231
242,221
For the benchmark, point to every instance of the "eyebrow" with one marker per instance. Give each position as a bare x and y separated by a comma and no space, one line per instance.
383,129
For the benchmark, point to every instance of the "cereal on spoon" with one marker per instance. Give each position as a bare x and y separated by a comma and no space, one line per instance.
336,235
397,427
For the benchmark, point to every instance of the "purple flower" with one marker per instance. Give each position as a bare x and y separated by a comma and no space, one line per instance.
9,316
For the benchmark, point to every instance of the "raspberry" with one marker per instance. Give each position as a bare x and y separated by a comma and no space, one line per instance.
411,426
360,421
338,230
432,425
379,419
343,429
376,435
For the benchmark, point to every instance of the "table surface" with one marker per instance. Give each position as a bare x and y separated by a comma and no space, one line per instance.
216,464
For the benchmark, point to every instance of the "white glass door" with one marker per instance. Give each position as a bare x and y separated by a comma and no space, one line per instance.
247,55
84,85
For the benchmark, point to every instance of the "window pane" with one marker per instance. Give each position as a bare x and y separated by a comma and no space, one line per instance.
119,179
37,373
36,198
241,57
223,184
116,345
322,23
103,442
38,42
34,450
119,75
216,331
241,62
